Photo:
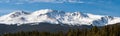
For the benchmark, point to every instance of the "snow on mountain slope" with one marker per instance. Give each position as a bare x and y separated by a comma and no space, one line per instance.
14,17
58,17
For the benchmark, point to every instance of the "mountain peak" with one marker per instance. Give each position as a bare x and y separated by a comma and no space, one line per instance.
42,11
17,13
80,14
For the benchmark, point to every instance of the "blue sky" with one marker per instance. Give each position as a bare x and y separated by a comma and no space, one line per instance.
100,7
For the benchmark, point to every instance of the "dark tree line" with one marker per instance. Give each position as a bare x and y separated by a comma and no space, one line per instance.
110,30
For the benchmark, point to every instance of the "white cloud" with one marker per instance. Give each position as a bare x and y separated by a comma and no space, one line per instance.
75,1
34,1
50,1
19,3
43,0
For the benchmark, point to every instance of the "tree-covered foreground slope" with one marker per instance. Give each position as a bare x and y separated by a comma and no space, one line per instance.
109,30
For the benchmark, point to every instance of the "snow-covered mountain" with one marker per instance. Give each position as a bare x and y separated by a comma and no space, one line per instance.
57,17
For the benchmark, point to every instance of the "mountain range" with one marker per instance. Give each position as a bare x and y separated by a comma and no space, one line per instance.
57,17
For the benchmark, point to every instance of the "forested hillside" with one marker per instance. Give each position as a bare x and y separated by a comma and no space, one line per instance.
110,30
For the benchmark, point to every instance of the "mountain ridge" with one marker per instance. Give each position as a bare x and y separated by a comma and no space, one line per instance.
57,17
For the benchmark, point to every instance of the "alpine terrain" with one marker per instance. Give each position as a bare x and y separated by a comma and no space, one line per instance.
57,17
